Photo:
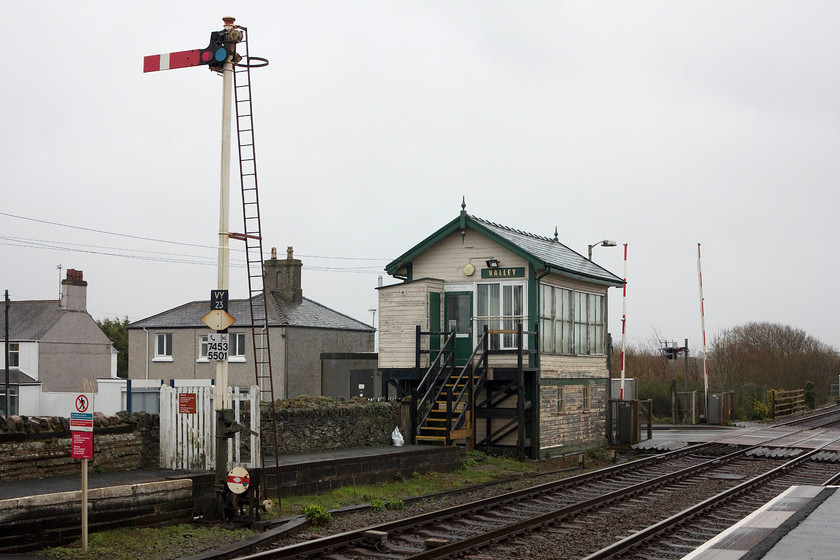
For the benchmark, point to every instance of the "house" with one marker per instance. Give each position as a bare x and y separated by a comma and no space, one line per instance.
465,293
56,351
174,344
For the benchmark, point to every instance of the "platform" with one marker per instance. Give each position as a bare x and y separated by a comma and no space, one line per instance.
298,470
35,511
799,523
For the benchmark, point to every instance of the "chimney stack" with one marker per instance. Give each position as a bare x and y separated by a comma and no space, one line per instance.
283,276
73,291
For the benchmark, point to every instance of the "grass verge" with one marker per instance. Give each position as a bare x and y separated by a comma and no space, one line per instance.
162,543
184,540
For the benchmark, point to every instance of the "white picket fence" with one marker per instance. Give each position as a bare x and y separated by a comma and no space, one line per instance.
188,441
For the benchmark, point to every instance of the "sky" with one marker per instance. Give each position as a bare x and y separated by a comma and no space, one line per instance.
659,124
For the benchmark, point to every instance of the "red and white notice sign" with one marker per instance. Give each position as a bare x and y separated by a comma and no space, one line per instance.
82,445
187,403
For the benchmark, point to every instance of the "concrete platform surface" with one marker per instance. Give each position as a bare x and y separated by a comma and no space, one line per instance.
801,522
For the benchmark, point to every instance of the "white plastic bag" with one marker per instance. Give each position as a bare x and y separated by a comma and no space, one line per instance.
397,438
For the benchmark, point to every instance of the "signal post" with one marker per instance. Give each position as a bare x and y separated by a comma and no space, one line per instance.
220,56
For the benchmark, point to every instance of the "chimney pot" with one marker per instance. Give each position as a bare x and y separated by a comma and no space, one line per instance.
74,291
283,276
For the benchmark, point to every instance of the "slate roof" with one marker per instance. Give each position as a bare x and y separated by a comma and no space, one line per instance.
552,252
30,320
542,252
17,377
307,313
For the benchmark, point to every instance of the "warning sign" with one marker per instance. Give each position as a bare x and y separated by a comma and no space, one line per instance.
82,445
187,403
238,480
81,421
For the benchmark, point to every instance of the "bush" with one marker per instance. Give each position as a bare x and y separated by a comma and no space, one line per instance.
317,515
760,411
377,505
810,395
394,504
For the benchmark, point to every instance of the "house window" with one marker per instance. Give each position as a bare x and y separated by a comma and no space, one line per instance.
561,400
572,322
500,307
237,347
203,341
13,399
163,347
586,401
14,354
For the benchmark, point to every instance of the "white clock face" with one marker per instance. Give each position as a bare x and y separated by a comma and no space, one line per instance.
469,269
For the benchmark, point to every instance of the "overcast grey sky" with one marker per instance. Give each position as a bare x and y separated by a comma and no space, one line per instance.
657,124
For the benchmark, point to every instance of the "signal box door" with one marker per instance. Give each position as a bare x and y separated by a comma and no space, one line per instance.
458,312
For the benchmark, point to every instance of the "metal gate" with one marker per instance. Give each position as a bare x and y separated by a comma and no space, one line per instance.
188,428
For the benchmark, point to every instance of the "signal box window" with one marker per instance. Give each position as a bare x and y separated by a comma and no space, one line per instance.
572,322
501,309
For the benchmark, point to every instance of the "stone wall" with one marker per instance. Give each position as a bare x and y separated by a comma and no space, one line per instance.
318,424
36,447
40,447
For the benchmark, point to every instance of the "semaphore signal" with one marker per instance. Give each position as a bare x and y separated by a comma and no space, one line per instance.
222,45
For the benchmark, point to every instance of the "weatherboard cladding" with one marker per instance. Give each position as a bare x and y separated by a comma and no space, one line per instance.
30,320
306,314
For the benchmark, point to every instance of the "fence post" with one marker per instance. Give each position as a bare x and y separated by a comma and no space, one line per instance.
256,449
166,428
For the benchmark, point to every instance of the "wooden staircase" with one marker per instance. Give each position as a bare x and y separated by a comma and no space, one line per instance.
445,410
450,398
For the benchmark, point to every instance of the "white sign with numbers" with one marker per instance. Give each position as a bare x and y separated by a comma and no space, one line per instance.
217,346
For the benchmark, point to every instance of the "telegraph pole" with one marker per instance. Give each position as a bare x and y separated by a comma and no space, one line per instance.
6,362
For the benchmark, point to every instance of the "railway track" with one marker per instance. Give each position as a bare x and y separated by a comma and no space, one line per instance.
585,501
578,516
830,418
679,534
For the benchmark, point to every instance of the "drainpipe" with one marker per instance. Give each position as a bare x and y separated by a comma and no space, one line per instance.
263,336
147,352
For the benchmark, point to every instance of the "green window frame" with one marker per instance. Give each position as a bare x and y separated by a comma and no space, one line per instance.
500,306
572,322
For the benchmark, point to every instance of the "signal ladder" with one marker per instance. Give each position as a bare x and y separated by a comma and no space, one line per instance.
252,236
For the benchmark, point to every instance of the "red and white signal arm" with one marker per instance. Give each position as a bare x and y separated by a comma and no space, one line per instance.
238,480
222,45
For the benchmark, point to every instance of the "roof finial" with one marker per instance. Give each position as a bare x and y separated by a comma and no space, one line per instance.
555,234
463,219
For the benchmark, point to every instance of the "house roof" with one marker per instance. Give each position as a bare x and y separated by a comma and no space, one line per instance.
30,320
281,313
544,253
17,377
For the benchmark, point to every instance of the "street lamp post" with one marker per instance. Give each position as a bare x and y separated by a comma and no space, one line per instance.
604,242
